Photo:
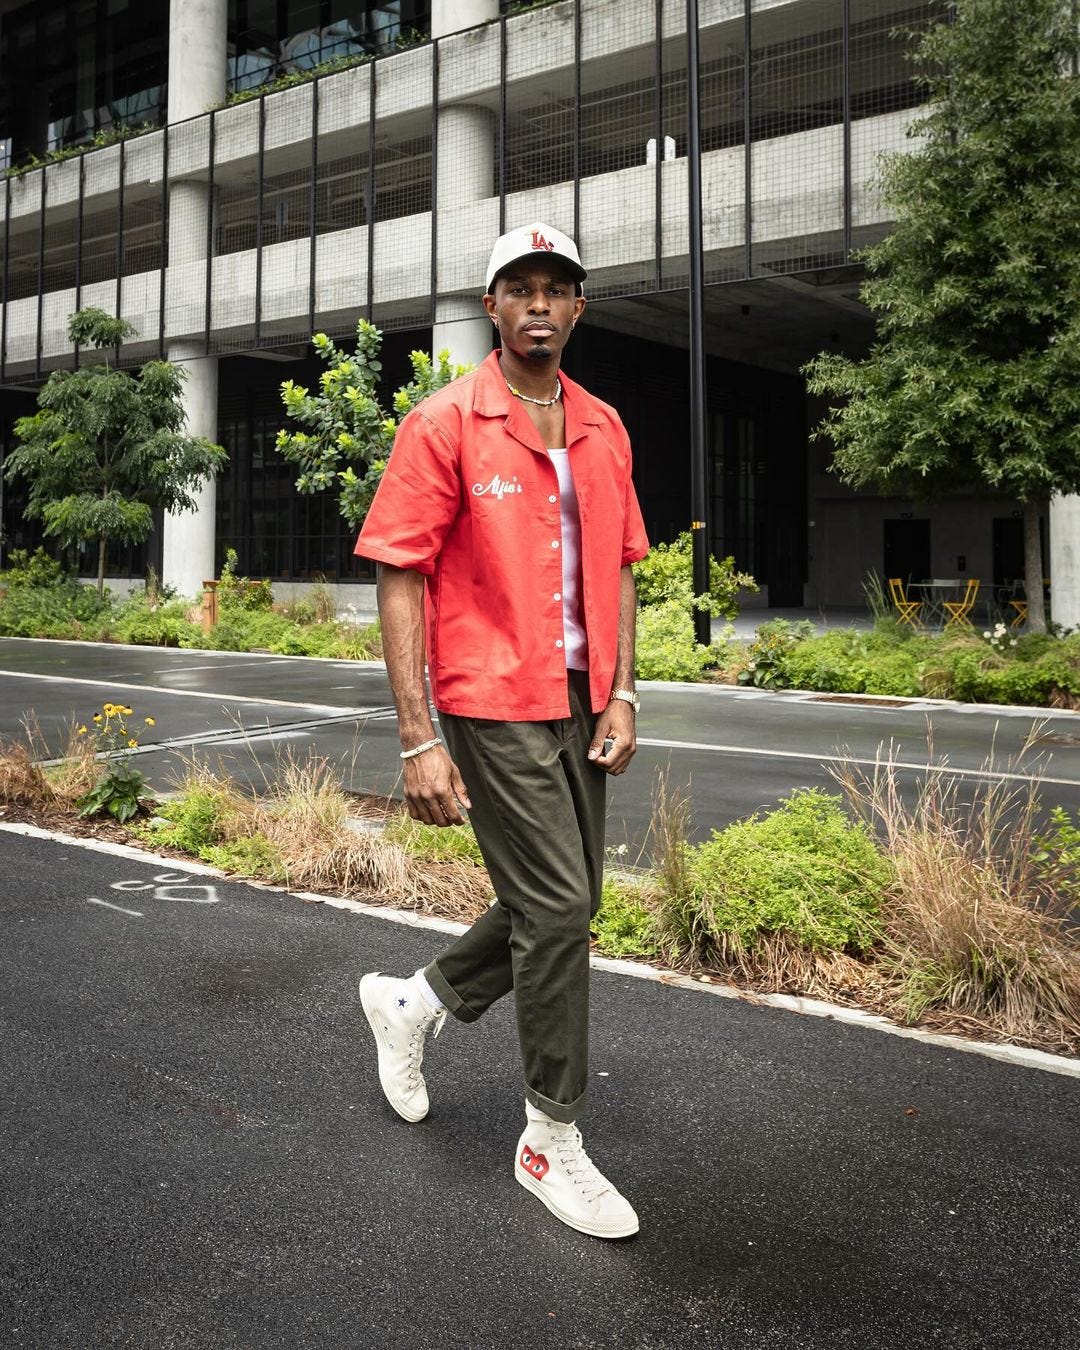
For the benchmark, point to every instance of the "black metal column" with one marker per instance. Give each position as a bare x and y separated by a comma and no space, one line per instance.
699,459
120,238
259,221
7,274
846,6
78,247
312,186
502,125
210,153
41,272
658,107
577,122
163,256
370,204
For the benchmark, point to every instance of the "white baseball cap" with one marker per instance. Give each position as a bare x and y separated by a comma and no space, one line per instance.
528,241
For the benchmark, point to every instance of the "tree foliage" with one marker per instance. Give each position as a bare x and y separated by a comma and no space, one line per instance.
107,447
346,435
976,290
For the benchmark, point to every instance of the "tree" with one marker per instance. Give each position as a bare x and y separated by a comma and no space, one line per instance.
349,436
107,448
975,373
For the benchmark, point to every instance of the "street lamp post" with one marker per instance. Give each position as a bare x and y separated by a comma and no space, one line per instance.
699,486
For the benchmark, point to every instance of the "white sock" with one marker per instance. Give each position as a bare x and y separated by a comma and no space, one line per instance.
534,1115
430,997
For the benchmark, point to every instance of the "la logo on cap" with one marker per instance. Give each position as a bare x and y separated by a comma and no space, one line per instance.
538,241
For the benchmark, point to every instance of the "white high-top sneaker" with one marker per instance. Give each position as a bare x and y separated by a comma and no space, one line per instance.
552,1163
400,1021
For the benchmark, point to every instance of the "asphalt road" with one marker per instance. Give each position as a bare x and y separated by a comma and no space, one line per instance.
196,1153
737,750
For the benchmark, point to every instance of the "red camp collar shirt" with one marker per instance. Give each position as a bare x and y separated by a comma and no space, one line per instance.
470,498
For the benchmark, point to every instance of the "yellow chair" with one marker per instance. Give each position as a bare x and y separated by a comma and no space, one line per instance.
958,610
907,610
1021,613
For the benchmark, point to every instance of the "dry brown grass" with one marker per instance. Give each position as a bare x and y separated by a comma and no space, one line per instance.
322,846
21,781
972,931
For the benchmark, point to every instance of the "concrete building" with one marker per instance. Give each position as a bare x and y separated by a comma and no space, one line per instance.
229,231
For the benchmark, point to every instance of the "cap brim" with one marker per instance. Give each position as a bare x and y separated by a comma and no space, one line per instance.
575,269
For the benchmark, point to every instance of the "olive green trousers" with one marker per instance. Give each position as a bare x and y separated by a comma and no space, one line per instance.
538,813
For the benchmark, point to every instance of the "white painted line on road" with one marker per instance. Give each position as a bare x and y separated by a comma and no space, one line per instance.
755,750
1018,1055
135,914
179,693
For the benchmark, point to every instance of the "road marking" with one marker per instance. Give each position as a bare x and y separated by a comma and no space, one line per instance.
760,751
332,708
93,900
203,894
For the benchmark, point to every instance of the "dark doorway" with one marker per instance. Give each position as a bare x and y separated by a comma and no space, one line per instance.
1008,550
907,549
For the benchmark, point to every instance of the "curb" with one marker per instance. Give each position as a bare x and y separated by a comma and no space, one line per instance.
1020,1056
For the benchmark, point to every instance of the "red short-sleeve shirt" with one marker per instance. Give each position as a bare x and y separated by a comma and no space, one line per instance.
470,498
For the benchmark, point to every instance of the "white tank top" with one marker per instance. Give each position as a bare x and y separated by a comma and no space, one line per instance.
576,646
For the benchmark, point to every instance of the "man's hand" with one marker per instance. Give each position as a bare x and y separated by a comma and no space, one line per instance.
434,788
617,721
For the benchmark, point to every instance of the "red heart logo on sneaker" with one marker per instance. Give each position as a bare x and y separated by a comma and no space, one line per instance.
534,1163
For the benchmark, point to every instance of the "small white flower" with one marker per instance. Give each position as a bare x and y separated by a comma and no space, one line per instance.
987,635
752,666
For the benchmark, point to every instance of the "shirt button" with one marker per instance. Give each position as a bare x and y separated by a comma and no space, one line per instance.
557,595
558,642
554,543
552,499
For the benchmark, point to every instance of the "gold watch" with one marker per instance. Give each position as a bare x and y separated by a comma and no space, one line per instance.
625,696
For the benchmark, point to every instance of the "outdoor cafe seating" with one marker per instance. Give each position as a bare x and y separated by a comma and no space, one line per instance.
936,603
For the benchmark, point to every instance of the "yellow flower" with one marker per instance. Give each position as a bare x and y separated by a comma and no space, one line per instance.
108,709
97,717
149,721
132,741
127,711
82,731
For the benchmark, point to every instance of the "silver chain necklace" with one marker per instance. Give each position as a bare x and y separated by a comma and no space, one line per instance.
540,402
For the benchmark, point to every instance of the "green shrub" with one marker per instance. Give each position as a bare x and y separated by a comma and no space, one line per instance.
624,925
31,569
68,610
805,872
242,593
767,655
167,625
666,573
666,646
193,821
433,843
1057,856
251,855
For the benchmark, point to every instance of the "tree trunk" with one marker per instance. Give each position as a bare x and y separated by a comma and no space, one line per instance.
101,568
1033,568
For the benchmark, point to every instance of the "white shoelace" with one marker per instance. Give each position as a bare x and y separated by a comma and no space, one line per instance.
578,1166
416,1043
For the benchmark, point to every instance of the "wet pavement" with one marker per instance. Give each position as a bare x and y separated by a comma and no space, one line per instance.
196,1152
737,750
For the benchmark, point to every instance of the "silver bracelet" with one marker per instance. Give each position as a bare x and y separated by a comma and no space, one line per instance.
419,749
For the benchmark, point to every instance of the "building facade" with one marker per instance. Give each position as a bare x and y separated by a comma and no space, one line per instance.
247,215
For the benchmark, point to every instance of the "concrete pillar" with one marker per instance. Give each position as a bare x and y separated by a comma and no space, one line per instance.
188,543
457,327
451,16
198,53
467,143
1065,561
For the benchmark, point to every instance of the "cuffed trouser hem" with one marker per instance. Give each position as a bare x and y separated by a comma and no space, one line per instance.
565,1115
455,1005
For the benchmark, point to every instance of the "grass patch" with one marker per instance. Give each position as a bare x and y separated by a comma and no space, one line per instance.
626,923
975,928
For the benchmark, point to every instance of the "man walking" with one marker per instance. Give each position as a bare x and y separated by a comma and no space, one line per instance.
504,528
